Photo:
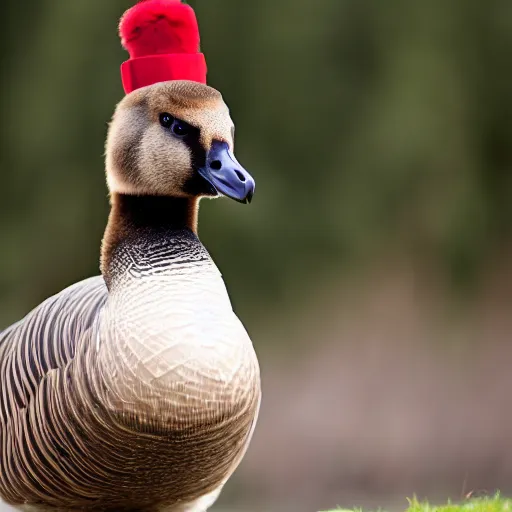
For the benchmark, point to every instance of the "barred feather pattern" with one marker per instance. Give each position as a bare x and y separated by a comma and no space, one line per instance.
142,397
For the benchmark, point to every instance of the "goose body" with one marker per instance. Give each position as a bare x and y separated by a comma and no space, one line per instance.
143,395
138,390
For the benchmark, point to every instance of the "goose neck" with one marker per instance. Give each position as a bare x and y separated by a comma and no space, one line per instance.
144,222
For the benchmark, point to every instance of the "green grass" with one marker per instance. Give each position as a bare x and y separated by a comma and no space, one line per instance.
493,504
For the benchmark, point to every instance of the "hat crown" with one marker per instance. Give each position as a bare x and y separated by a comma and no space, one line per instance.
156,27
162,38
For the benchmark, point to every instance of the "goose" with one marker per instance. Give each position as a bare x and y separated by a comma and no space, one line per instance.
139,389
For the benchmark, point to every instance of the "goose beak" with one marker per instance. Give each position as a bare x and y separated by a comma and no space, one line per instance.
226,175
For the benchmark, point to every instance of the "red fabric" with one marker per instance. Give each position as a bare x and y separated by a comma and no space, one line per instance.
162,38
137,73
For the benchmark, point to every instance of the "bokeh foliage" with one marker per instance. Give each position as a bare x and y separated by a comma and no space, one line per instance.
366,124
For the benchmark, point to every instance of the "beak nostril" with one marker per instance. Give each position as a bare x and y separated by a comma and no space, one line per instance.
216,165
241,177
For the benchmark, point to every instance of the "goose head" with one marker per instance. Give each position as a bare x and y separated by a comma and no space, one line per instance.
175,139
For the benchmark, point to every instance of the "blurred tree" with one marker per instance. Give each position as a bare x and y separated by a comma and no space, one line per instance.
367,125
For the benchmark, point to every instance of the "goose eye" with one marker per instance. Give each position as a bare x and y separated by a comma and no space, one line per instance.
180,128
166,120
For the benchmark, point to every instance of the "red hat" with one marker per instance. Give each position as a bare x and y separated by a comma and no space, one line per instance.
162,37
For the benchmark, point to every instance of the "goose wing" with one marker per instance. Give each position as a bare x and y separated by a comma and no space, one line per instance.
45,340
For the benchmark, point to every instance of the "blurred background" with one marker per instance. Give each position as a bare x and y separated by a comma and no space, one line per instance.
374,267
